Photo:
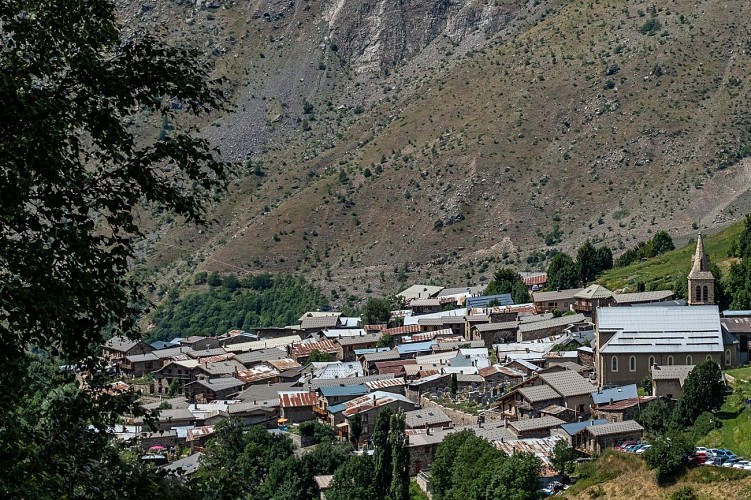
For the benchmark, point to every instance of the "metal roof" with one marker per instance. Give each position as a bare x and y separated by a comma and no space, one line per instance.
321,382
263,344
530,424
297,399
615,394
614,428
454,313
660,329
347,390
334,333
415,347
503,299
575,427
534,278
375,385
390,355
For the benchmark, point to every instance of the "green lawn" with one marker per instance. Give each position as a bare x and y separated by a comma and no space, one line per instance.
660,272
735,433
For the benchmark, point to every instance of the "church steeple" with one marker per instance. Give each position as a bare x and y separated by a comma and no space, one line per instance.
700,279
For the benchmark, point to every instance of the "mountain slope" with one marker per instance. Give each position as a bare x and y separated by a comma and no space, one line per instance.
443,135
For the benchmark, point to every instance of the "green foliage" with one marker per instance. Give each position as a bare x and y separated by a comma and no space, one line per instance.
656,417
651,26
667,456
385,341
397,441
554,236
236,462
354,479
377,311
454,384
591,261
562,273
703,425
507,280
703,391
382,453
317,356
355,429
646,384
563,457
73,86
683,493
174,388
660,243
466,466
316,431
255,304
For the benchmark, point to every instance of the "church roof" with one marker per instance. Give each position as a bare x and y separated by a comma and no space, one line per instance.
700,268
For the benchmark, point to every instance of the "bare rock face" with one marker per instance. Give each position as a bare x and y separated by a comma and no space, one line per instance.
377,35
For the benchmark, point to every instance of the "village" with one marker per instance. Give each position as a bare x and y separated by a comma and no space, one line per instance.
569,366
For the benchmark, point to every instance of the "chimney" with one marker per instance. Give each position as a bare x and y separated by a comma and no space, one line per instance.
611,401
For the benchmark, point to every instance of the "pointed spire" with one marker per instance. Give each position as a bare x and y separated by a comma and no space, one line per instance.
701,260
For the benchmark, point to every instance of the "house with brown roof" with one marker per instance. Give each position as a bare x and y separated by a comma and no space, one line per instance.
297,407
597,438
368,407
213,389
667,381
626,409
592,297
532,330
116,349
563,388
301,351
199,343
534,427
135,365
346,346
562,300
495,333
629,299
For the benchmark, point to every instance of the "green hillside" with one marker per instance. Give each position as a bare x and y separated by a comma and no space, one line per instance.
669,270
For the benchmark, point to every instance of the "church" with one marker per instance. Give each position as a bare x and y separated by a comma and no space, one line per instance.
629,340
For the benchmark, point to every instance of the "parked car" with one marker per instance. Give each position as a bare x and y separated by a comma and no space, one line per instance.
626,444
700,450
696,459
643,449
713,461
741,464
723,453
729,462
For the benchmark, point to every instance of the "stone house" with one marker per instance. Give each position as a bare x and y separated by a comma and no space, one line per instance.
346,346
626,409
533,330
207,390
596,438
561,300
667,381
495,333
534,427
297,407
116,349
425,418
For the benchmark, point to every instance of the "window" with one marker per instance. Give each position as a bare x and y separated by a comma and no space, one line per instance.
698,293
614,364
709,357
651,361
670,360
727,357
689,360
632,364
705,296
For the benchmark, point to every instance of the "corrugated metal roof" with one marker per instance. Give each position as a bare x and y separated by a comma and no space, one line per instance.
495,327
402,330
372,400
575,427
415,347
391,354
615,394
297,399
660,329
535,279
347,390
376,385
335,333
283,364
424,336
304,349
263,344
502,299
626,403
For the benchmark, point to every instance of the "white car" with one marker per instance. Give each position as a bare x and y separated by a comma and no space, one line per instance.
643,449
741,464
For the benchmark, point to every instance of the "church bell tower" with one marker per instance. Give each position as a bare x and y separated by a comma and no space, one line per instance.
700,279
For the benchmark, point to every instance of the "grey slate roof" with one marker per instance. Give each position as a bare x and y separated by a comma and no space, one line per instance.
561,322
121,344
496,327
614,428
267,354
218,384
567,383
530,424
426,416
319,322
321,382
629,298
556,295
537,393
672,372
184,466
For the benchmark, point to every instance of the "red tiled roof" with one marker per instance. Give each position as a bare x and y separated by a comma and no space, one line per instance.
538,279
297,399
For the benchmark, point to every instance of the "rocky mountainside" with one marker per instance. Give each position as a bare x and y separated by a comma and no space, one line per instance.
448,137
